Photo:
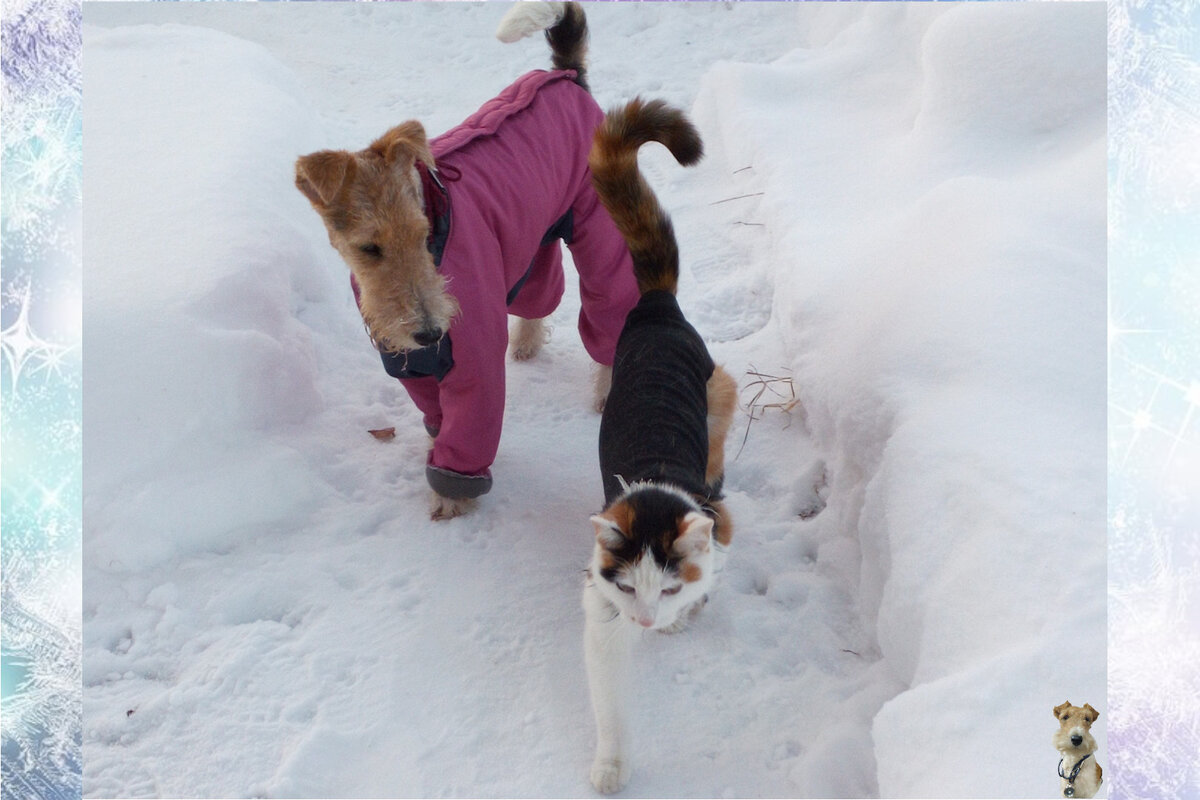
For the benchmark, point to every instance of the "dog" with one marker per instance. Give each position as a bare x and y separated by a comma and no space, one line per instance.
1077,768
445,238
662,442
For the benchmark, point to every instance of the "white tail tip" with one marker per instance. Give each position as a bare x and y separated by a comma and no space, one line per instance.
527,18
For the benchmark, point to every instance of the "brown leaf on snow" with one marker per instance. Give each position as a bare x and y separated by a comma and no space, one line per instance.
383,434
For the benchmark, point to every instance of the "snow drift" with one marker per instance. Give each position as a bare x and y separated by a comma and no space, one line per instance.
940,284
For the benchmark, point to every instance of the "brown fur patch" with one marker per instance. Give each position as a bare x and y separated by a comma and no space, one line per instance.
722,402
622,515
690,572
606,560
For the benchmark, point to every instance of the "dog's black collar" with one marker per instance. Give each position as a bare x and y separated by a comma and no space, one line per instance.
1070,779
437,209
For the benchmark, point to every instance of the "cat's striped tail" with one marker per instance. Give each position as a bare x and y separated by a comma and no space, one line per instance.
629,199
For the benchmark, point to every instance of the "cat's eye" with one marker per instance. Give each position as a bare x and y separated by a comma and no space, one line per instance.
673,589
372,250
625,588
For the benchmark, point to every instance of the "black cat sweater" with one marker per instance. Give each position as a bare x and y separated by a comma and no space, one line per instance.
655,422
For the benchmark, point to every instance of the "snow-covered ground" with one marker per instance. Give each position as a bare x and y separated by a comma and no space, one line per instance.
900,224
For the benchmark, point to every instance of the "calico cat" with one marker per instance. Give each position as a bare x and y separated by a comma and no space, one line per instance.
662,440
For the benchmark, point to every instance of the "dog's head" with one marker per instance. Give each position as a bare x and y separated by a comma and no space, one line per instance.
373,207
1074,728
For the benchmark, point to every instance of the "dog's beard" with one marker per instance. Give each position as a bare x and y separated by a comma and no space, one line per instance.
393,327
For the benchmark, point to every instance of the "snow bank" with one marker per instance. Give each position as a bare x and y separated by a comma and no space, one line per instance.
194,332
939,231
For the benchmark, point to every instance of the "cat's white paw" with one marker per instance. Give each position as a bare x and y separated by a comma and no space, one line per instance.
609,775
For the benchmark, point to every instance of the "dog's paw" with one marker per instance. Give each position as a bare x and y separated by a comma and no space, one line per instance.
448,507
527,338
609,775
601,386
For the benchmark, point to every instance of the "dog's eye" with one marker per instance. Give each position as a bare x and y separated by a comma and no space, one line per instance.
673,589
372,250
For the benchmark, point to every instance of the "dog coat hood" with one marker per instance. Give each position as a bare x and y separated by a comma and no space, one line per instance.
515,178
655,423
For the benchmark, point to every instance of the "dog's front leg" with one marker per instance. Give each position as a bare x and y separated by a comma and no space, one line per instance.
448,507
607,641
454,493
527,338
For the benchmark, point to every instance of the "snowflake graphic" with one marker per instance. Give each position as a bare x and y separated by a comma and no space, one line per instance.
25,350
40,207
1154,397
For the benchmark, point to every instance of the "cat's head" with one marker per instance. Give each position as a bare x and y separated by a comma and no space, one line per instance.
653,557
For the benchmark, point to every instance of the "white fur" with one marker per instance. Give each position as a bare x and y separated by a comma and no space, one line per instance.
602,384
448,507
607,641
527,338
1087,782
527,18
612,618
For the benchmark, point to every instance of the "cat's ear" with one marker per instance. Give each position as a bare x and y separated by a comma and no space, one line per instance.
695,532
608,533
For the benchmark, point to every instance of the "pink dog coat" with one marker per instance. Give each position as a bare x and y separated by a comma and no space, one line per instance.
516,177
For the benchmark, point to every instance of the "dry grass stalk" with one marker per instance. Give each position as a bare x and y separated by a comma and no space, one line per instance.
769,393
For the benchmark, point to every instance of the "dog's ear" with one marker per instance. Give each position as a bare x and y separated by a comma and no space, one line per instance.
405,142
1059,709
321,176
1095,714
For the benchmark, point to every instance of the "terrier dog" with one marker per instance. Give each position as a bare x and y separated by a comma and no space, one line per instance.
662,441
445,237
1080,774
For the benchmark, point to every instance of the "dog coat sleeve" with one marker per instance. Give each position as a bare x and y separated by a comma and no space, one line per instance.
471,395
607,287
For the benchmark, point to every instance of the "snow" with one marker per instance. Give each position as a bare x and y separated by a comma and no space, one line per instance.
901,210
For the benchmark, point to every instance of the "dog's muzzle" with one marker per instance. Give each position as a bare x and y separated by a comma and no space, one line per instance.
427,336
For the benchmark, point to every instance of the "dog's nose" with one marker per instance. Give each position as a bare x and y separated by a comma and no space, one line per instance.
1076,740
427,336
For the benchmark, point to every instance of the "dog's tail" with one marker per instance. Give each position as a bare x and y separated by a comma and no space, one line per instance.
630,201
566,30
